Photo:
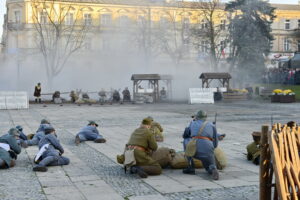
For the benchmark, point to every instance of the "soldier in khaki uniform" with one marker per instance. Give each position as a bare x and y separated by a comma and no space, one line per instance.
253,149
143,143
156,130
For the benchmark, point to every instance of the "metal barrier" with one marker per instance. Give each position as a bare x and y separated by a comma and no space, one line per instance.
13,100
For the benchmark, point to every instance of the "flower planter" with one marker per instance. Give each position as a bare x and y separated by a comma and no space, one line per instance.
275,98
287,98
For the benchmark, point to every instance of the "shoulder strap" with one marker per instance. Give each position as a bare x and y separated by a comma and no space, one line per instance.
202,128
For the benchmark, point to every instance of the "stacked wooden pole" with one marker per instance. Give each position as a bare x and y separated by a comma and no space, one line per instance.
284,144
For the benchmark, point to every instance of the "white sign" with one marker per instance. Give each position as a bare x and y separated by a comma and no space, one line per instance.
201,95
13,100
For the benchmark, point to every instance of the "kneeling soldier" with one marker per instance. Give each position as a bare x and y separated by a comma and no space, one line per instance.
142,142
89,132
9,148
206,137
253,149
50,152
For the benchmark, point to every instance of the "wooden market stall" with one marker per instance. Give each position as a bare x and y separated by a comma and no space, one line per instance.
223,78
153,83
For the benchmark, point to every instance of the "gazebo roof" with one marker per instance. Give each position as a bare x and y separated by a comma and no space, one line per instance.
215,76
135,77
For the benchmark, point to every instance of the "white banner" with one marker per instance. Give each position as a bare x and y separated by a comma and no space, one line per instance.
13,100
201,95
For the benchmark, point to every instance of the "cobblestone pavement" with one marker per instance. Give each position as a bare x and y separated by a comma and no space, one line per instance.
94,174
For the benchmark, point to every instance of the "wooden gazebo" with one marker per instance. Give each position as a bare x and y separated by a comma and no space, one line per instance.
223,78
153,83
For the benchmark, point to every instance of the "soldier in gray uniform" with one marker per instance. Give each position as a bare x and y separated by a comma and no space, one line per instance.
9,148
38,136
51,156
89,132
207,141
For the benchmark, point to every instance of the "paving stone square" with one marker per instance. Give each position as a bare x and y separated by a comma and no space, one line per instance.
94,173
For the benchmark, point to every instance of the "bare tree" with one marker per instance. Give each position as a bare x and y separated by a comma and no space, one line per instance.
173,34
144,35
60,33
210,34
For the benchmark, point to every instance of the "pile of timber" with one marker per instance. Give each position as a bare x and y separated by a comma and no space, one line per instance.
284,145
232,96
280,156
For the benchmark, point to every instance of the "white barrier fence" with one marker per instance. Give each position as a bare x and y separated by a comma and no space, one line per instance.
13,100
203,95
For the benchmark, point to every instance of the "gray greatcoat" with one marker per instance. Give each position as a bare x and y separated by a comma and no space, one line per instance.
12,142
52,156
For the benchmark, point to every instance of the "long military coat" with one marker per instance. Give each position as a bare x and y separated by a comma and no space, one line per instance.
143,137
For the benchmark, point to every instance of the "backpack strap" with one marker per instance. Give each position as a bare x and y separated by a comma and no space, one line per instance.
202,128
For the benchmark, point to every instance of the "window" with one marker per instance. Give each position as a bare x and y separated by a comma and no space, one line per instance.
105,19
186,23
287,24
204,46
271,44
124,21
204,24
141,20
87,19
223,25
43,17
69,19
17,16
286,44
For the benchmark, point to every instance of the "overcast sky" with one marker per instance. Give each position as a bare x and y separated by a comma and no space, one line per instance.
2,8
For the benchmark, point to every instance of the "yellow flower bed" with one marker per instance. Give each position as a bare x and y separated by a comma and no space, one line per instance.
240,91
287,91
277,91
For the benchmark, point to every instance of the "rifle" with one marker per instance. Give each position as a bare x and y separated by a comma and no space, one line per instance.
271,121
215,122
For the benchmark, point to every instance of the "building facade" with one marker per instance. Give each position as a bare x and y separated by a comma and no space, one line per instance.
146,25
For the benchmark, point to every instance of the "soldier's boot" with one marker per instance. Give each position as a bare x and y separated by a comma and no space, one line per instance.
100,140
256,160
189,170
215,174
12,163
39,168
191,167
2,164
139,171
40,100
36,100
77,140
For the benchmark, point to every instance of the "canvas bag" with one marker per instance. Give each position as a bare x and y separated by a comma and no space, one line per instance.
192,145
129,158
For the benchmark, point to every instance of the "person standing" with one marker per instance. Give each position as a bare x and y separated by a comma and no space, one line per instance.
37,93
